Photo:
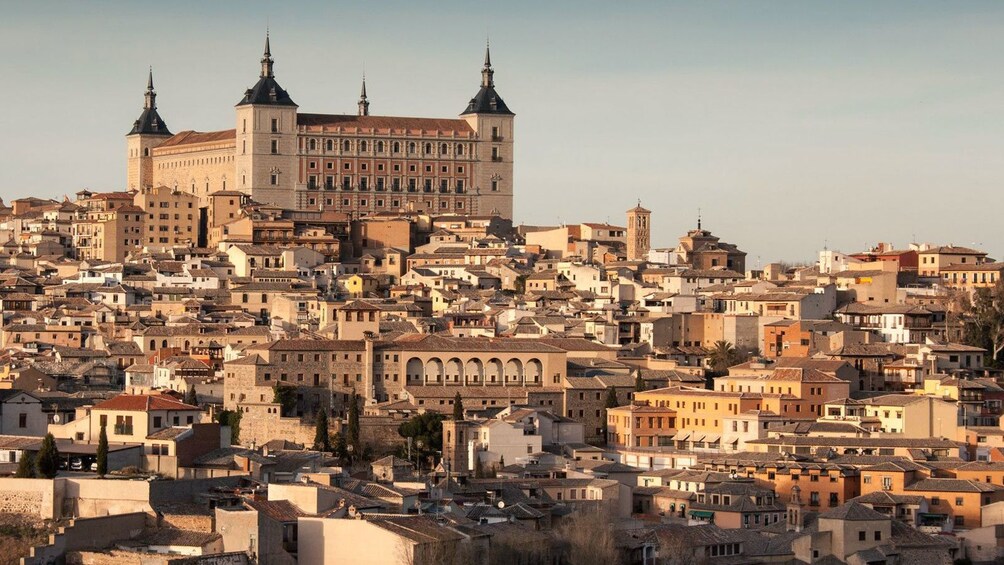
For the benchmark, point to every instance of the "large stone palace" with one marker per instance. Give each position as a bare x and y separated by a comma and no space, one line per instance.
357,164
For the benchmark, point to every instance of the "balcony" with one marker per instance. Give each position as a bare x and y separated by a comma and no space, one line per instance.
497,158
498,138
123,429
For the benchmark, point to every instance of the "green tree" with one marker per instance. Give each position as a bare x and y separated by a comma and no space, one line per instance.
285,397
520,284
322,438
190,397
103,451
25,467
458,407
983,322
722,356
612,398
426,429
639,383
352,430
339,447
501,462
47,461
231,418
479,467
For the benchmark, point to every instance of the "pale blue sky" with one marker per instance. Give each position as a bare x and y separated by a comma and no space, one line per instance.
789,124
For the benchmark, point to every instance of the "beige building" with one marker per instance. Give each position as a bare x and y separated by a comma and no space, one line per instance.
172,217
108,226
358,164
933,260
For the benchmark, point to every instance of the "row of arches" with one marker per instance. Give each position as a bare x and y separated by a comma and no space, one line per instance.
474,372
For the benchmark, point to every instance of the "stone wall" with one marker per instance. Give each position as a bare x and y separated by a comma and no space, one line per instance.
380,433
261,423
87,533
32,497
120,557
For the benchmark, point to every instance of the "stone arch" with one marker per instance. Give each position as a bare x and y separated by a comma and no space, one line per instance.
455,371
474,372
414,370
434,371
493,372
534,371
513,371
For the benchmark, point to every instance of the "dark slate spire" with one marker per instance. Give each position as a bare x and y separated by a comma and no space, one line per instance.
266,60
266,90
487,74
149,121
364,104
487,100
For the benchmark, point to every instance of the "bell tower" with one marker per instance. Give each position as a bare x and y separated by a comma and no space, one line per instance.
492,122
639,236
266,139
147,132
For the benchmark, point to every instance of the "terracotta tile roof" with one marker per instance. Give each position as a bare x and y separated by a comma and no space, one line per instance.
189,137
144,403
327,122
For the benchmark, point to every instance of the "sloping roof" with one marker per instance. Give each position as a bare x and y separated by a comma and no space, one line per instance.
189,137
854,512
144,403
384,123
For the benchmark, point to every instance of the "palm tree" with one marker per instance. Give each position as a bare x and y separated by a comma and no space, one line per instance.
722,356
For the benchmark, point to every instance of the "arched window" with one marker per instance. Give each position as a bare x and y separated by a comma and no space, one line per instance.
163,343
442,149
460,149
362,146
428,148
379,147
345,145
313,144
153,345
330,145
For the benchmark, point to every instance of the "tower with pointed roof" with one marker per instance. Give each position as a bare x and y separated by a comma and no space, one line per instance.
266,139
639,235
492,121
147,132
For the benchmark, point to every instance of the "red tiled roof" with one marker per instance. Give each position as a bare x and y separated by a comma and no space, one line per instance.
189,137
318,122
144,403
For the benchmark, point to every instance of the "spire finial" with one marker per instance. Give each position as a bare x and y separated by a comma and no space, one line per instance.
488,52
150,97
266,59
487,74
698,218
364,104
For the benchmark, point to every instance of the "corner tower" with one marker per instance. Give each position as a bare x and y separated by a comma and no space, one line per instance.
266,139
492,122
639,235
147,132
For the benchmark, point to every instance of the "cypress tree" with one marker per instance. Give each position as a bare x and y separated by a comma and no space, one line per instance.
25,467
458,408
47,461
322,439
102,452
353,426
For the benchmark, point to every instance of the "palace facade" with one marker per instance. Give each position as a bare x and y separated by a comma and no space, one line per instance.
357,164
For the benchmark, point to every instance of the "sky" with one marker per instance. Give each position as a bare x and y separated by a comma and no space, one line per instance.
790,125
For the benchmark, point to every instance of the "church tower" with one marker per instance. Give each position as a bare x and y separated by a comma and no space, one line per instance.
266,139
639,236
147,132
492,122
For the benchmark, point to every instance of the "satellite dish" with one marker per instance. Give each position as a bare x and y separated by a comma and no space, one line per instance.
55,419
501,504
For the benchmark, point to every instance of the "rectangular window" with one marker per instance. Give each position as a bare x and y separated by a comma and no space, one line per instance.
275,125
275,146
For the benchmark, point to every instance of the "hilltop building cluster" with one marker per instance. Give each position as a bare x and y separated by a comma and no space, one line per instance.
322,338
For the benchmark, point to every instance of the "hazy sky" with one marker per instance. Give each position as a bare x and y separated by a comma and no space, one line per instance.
790,124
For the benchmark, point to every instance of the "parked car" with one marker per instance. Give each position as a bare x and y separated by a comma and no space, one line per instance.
77,464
